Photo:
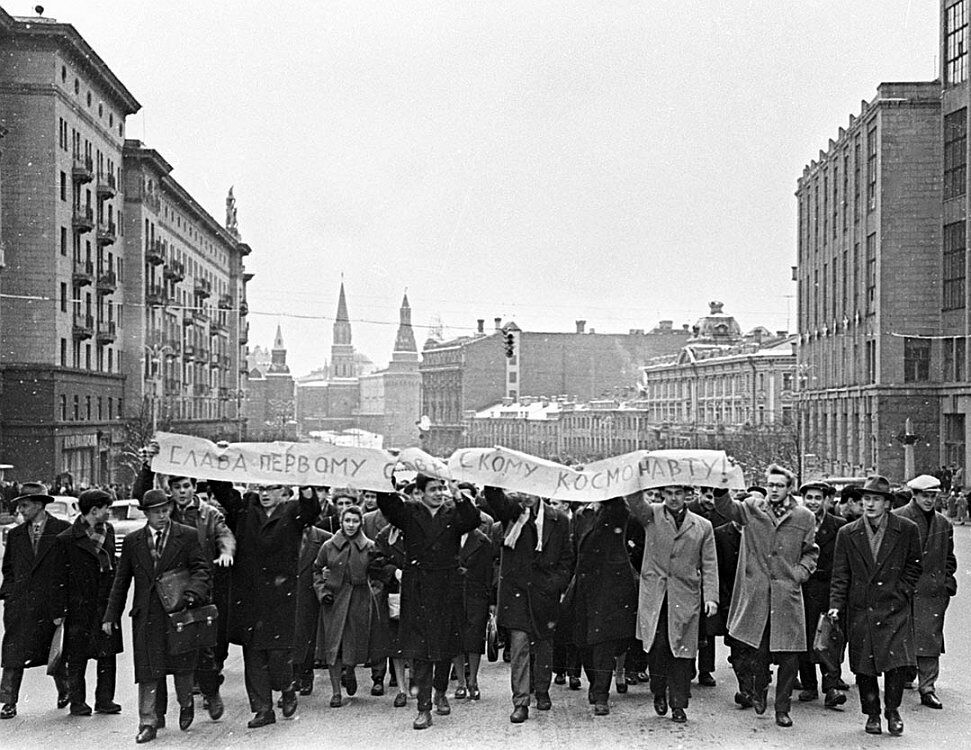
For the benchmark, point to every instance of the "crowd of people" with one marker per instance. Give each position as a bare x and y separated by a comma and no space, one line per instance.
415,584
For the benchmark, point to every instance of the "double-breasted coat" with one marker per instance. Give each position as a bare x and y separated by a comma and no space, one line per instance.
776,558
604,584
679,564
476,574
937,583
27,590
875,597
349,628
81,596
815,591
531,582
263,592
149,619
308,607
430,622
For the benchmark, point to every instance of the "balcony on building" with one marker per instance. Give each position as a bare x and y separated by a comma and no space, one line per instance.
83,326
224,393
203,288
244,334
225,301
214,360
106,332
189,351
200,316
83,272
175,271
106,185
83,219
217,326
83,169
107,282
243,308
202,355
107,232
155,252
225,361
200,389
172,387
155,295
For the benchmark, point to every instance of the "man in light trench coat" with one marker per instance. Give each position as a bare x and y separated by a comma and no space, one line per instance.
678,573
767,617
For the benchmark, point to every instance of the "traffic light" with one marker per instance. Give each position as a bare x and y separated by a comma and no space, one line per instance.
510,345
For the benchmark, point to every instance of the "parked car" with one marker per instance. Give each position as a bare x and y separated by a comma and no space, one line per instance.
64,507
126,517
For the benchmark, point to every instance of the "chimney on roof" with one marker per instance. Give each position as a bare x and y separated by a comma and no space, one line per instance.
581,326
480,326
498,322
684,327
665,325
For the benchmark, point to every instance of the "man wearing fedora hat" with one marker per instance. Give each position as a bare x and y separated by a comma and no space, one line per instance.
815,593
678,585
937,583
30,574
161,546
876,566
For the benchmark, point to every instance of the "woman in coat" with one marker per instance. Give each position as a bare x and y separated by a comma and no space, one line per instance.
604,594
348,614
476,568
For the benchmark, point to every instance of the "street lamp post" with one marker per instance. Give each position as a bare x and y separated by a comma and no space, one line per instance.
156,352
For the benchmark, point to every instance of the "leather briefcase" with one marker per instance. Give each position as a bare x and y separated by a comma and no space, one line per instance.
171,586
192,629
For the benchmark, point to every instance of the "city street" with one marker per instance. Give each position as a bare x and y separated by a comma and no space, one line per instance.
713,719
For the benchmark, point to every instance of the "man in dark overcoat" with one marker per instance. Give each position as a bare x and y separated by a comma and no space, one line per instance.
535,567
430,622
160,547
876,567
477,558
308,610
728,542
86,554
30,575
263,594
815,594
937,583
603,593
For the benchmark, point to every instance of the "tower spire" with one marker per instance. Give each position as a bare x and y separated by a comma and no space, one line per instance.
342,350
278,355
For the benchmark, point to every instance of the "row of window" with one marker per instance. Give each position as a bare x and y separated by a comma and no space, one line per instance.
956,43
89,101
835,288
76,410
80,357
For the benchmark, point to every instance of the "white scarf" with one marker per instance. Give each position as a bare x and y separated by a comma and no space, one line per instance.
512,536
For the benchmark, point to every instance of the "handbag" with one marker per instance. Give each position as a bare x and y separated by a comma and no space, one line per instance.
394,606
171,586
492,639
828,643
192,629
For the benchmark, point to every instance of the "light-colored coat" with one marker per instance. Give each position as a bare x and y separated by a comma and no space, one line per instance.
680,564
776,558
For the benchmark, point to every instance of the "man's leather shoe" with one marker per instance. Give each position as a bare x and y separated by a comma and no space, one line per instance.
519,714
8,711
289,703
574,683
808,695
743,700
107,708
758,702
930,700
336,701
145,734
660,704
621,687
441,704
600,709
678,716
261,719
782,719
543,702
873,724
841,685
80,709
63,698
214,705
306,684
377,688
895,725
186,715
400,700
706,680
423,720
560,679
834,698
350,682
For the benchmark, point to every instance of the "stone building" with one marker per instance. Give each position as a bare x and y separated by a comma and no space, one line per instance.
269,405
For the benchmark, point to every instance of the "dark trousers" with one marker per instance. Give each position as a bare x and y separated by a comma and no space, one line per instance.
893,690
105,670
265,670
670,675
636,657
521,647
209,665
706,652
755,665
598,663
378,670
12,677
428,675
807,674
566,659
153,697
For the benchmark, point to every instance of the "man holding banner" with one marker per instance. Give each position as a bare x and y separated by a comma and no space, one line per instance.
678,544
535,567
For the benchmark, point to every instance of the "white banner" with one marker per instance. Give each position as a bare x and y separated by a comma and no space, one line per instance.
372,469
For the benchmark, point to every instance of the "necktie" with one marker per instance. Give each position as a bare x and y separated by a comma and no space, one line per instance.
34,536
158,545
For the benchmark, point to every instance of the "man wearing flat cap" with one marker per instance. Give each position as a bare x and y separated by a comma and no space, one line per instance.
816,496
29,578
936,585
876,566
160,547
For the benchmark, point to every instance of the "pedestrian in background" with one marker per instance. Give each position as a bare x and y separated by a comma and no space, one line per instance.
304,654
